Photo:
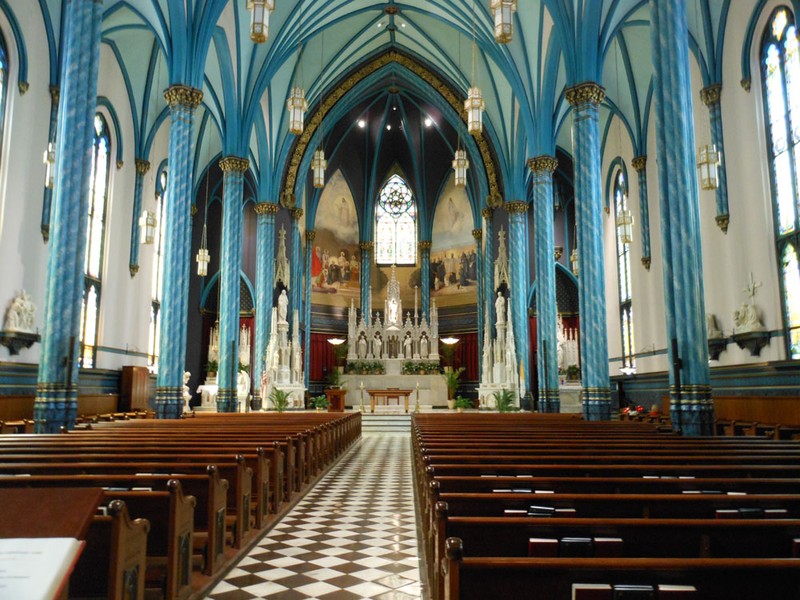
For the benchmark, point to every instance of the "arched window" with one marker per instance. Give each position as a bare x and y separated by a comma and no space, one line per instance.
158,268
396,224
780,60
624,269
95,235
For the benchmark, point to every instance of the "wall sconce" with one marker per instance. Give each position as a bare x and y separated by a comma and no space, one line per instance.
148,223
49,160
624,226
707,162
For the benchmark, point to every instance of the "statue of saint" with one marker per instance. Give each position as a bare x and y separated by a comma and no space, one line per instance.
500,308
711,327
20,314
407,347
392,311
423,347
187,395
283,307
376,347
746,319
362,347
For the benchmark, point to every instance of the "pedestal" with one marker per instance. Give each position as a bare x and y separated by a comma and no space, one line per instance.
569,395
335,399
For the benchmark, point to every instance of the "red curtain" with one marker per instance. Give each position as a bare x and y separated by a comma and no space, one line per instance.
466,355
323,357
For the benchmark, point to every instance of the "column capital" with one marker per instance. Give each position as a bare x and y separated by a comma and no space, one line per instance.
234,164
424,245
543,163
297,213
142,166
183,95
310,235
487,213
588,92
646,262
367,246
722,222
55,94
288,199
477,234
265,208
710,94
639,163
494,200
516,207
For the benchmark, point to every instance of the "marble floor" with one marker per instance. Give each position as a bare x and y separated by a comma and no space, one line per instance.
353,536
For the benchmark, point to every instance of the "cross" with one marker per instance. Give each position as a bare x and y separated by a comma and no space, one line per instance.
751,289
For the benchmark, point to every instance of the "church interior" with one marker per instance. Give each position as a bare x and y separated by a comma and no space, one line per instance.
325,247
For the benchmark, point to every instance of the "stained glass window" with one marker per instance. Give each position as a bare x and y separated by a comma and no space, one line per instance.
624,273
95,235
396,224
780,66
158,268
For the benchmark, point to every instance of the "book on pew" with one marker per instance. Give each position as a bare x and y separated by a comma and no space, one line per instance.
543,547
592,591
634,592
515,512
608,547
796,548
541,511
676,592
576,547
36,568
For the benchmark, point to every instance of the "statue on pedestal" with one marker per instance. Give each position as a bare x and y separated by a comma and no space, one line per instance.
500,308
187,395
283,307
20,314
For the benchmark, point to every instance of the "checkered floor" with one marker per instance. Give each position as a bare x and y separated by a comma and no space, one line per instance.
353,536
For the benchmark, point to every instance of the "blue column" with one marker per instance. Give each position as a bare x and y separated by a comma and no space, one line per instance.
710,96
543,168
265,273
691,406
425,277
585,100
142,167
640,163
233,170
47,200
310,235
518,257
296,270
183,102
488,265
56,390
366,273
477,234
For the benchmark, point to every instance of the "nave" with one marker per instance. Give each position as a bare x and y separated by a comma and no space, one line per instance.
354,535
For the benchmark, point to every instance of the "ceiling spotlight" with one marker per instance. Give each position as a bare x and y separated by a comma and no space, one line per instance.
388,128
362,123
402,24
428,122
394,108
380,25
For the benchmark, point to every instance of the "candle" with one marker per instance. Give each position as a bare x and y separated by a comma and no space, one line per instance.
361,384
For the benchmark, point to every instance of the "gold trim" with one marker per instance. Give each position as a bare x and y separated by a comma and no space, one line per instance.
234,164
710,94
487,213
265,208
193,210
24,86
723,221
134,269
368,246
310,235
646,262
639,163
588,92
745,83
142,166
544,163
120,164
55,94
297,213
424,245
183,95
477,234
516,207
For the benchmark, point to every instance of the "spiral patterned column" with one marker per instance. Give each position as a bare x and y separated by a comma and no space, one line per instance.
310,235
425,277
233,170
710,96
518,257
56,389
640,163
543,168
142,167
47,200
691,406
366,273
585,100
477,234
265,273
488,265
296,265
183,102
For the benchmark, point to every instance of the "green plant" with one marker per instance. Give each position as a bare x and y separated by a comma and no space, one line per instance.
409,367
573,372
340,353
334,378
462,402
212,366
451,380
504,399
320,402
279,399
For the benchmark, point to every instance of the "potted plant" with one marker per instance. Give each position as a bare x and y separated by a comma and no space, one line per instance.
451,381
320,402
279,399
504,400
462,403
334,379
212,367
573,373
409,368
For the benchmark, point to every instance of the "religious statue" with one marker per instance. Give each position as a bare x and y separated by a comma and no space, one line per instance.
283,307
500,308
362,347
423,347
392,311
745,319
407,352
376,347
187,395
711,327
20,314
242,387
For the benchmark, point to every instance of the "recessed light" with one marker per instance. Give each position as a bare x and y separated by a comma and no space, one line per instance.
388,128
362,123
428,122
402,24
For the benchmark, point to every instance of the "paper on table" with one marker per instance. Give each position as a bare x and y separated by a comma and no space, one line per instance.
36,568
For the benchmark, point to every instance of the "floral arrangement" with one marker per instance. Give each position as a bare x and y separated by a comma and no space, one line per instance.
421,367
365,367
633,411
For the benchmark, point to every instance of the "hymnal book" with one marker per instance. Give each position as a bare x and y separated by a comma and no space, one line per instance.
726,513
515,512
543,547
634,592
540,511
36,568
676,592
592,591
576,547
608,547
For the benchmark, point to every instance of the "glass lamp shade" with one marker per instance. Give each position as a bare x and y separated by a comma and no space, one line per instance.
474,107
573,261
502,11
460,166
148,223
49,160
203,258
259,19
707,160
318,166
624,226
297,106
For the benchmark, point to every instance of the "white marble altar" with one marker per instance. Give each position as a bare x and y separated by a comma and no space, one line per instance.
432,388
283,360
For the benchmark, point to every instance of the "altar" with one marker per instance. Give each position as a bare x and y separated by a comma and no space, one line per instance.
432,390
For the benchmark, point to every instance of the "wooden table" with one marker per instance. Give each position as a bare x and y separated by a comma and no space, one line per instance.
387,395
47,512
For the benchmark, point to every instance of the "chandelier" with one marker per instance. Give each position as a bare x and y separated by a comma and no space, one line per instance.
474,107
318,166
460,166
503,19
259,19
297,106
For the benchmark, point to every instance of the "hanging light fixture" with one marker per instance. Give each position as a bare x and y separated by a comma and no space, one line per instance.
318,166
624,226
474,107
503,19
297,106
708,158
148,222
259,19
49,160
573,261
203,257
460,166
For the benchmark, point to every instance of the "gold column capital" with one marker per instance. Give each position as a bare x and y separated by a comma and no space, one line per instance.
55,94
516,207
424,245
193,210
477,234
297,213
646,262
543,163
710,94
487,213
183,95
588,92
639,163
310,235
368,246
234,164
265,208
142,166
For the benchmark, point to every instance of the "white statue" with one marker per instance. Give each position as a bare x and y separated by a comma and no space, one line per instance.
711,327
376,347
746,319
392,311
500,308
187,395
362,347
423,348
242,387
283,307
407,352
20,314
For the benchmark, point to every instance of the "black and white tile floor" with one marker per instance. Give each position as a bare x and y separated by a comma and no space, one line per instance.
353,536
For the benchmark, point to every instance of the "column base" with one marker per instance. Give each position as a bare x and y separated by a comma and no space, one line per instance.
549,401
227,401
169,402
692,410
596,404
55,406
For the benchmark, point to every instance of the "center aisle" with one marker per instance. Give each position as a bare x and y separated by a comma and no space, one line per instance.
353,536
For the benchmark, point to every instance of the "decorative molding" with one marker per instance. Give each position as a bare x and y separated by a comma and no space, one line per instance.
753,341
494,201
543,163
183,95
588,92
120,164
142,166
516,207
710,94
134,269
310,235
265,208
424,245
296,213
477,234
391,9
17,340
639,163
55,94
454,100
368,246
745,83
723,221
487,213
288,199
234,164
24,86
646,262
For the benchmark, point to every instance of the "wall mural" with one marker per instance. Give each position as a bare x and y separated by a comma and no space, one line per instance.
454,261
336,258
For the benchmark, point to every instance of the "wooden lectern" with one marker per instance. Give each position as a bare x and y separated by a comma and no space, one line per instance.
335,399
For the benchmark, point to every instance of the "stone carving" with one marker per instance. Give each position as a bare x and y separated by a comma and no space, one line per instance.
713,332
20,314
283,361
500,308
283,269
283,307
187,395
745,319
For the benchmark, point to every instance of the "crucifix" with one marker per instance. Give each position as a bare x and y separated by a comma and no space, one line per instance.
751,289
